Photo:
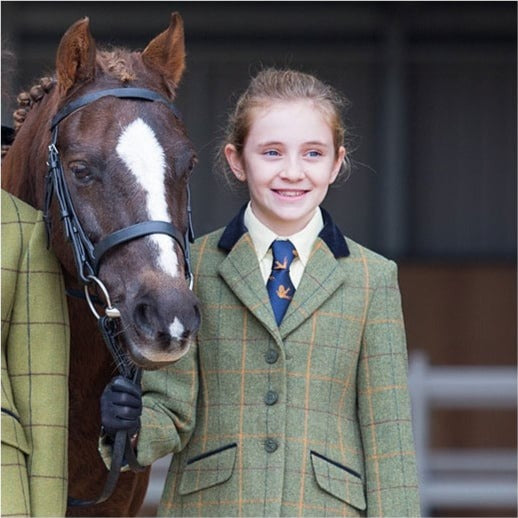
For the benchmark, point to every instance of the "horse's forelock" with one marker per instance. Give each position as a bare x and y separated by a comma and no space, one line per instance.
117,63
125,66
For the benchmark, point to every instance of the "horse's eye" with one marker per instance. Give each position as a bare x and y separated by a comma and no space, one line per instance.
80,170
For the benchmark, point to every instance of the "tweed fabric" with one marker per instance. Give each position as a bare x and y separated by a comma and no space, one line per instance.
35,356
309,418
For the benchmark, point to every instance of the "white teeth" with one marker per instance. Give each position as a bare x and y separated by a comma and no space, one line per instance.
291,193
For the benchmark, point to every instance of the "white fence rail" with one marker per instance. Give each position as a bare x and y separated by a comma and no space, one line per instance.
456,478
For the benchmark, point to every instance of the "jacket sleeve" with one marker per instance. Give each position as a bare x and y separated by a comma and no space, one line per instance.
169,408
168,411
384,403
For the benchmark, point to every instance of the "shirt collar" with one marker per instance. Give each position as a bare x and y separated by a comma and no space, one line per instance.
263,237
329,233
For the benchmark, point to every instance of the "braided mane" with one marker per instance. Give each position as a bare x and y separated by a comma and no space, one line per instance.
26,101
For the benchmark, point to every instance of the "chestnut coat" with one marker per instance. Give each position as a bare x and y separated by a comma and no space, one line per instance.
311,418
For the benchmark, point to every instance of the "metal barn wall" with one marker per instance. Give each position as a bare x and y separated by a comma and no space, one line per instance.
432,86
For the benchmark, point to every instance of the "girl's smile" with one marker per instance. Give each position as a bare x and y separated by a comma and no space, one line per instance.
283,193
289,161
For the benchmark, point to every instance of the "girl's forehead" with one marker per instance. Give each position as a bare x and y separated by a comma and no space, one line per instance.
287,111
266,106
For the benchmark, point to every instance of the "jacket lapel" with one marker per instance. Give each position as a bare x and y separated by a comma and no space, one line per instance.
322,277
240,270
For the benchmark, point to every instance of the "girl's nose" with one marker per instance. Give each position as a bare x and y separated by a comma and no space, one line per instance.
292,170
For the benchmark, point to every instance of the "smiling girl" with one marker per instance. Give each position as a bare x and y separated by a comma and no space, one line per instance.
294,401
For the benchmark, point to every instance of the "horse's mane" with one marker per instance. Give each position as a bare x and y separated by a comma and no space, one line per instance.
26,100
116,63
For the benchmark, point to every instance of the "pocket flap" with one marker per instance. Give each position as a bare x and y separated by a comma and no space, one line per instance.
13,433
339,481
208,469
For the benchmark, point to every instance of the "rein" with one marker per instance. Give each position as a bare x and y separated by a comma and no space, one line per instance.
87,257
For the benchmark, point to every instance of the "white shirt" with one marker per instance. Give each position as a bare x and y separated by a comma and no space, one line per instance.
303,240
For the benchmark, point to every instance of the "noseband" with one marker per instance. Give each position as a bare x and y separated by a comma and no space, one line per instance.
87,256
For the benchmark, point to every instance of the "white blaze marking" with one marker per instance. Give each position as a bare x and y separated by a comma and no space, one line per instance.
143,155
176,329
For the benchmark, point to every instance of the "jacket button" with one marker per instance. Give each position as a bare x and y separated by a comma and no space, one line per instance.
271,356
271,397
270,445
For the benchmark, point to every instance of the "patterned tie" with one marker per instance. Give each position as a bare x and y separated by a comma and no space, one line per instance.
279,285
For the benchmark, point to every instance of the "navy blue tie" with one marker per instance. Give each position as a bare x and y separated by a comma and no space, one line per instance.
279,285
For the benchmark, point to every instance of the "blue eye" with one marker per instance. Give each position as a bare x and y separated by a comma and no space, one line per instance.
271,152
314,154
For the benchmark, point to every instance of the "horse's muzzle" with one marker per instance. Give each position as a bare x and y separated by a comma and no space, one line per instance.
163,325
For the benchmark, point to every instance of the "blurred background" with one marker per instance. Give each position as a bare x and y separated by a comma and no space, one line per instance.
432,87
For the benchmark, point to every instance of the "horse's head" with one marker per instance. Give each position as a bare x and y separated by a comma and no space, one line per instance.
125,162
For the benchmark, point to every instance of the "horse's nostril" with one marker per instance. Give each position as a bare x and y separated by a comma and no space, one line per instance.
143,317
164,319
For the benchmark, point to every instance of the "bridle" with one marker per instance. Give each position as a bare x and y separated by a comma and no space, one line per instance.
87,256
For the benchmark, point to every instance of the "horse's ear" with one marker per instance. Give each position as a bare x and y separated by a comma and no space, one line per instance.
75,59
166,52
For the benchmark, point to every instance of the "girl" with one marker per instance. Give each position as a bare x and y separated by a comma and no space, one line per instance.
294,401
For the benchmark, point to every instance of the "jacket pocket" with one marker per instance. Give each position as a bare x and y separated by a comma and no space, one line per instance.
208,469
339,481
12,431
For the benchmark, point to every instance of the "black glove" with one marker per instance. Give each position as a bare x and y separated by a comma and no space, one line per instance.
121,406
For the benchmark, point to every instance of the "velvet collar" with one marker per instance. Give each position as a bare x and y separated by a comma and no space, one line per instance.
330,234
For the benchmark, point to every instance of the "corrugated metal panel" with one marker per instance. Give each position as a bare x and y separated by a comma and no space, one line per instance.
436,115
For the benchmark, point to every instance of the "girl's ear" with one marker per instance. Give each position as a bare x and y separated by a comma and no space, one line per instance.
235,162
338,163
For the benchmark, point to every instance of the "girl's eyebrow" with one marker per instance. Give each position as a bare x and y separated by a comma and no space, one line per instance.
315,143
278,143
270,143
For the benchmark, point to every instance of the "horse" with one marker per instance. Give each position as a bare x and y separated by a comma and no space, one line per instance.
125,158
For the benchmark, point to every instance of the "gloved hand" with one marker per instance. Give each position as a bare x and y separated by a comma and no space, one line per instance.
121,406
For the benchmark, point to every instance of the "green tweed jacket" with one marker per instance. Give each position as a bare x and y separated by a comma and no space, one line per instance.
311,418
35,354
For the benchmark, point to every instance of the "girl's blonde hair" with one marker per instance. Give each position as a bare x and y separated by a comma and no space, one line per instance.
272,85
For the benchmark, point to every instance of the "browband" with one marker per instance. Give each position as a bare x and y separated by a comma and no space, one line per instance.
123,93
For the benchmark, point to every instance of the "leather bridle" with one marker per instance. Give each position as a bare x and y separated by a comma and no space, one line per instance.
87,257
